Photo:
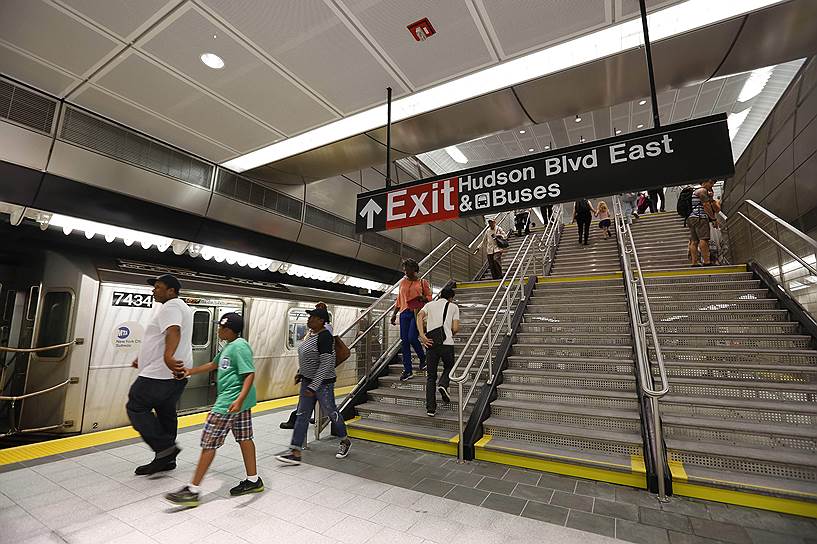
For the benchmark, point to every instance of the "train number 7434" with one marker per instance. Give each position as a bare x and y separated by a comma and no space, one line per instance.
134,300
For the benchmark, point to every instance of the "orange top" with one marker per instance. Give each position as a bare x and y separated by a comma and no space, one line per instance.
410,290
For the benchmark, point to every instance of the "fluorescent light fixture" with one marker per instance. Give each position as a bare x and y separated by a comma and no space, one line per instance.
110,232
530,150
234,257
639,126
456,154
671,21
212,60
578,119
618,131
521,132
309,272
547,147
642,102
365,284
755,83
735,120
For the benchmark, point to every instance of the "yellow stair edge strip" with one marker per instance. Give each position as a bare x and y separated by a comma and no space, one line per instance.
417,442
57,446
743,498
562,279
477,285
634,478
704,270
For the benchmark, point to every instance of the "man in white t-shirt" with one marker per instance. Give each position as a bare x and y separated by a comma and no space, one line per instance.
493,251
439,314
167,348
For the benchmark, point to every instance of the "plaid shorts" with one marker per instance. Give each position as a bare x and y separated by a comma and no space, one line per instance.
218,425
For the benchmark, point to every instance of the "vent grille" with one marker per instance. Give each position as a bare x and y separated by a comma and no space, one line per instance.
118,143
253,193
27,108
327,221
381,242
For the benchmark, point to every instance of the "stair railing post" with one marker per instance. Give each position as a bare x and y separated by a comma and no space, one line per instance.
460,409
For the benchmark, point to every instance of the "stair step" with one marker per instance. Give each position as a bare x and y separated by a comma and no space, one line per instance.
716,304
567,415
608,398
572,367
697,278
686,286
759,411
440,436
718,294
763,341
538,351
408,415
718,316
781,392
738,355
741,372
573,317
575,337
577,328
780,462
771,328
622,382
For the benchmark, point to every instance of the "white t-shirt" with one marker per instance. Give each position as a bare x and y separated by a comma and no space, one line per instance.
490,242
152,352
434,318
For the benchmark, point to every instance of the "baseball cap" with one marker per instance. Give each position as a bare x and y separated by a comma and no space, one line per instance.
169,280
232,321
320,312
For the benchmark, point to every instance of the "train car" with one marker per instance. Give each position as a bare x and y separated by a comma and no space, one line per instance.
102,307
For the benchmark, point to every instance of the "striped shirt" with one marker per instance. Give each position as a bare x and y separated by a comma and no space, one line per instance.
699,197
316,358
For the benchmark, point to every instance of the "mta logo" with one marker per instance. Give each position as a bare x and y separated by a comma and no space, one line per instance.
123,333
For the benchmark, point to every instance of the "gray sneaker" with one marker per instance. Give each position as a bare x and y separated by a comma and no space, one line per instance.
343,448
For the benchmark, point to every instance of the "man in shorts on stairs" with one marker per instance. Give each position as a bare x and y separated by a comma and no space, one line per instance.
703,211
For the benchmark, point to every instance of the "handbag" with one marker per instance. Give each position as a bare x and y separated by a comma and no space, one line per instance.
501,242
438,335
416,304
342,351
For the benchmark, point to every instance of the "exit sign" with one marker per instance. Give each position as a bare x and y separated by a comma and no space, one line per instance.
421,29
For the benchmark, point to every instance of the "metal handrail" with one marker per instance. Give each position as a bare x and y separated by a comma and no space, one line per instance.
36,393
36,350
645,375
792,229
807,266
520,265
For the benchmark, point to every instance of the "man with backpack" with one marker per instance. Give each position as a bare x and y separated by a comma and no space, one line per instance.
703,209
438,322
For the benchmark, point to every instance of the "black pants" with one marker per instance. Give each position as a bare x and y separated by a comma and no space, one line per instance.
546,212
583,222
521,222
148,395
494,266
653,197
433,356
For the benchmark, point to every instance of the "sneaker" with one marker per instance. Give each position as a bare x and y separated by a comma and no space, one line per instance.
406,376
343,449
444,394
289,459
431,414
423,365
246,487
157,465
183,497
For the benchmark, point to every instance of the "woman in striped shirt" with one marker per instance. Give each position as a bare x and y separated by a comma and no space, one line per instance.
316,374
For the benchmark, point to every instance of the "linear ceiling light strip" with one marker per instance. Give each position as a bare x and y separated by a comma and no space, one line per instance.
665,23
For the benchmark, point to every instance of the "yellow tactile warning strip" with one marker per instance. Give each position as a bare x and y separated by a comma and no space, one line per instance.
405,440
564,279
632,475
478,284
697,271
73,443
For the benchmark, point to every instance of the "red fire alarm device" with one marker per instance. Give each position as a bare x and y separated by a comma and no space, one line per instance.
421,30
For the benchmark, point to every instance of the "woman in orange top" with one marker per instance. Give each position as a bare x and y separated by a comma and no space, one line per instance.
412,295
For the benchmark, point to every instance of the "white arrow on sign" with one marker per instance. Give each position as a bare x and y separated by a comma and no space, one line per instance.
369,211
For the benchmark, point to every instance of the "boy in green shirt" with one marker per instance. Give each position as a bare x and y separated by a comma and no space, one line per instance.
236,396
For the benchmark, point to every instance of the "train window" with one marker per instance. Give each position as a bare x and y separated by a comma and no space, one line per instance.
54,323
201,327
296,326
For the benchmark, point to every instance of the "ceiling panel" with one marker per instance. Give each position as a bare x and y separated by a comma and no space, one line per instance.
457,47
707,98
246,80
626,9
33,72
534,23
70,44
314,44
141,81
101,102
121,17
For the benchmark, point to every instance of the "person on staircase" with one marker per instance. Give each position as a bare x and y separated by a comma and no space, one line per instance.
653,196
522,222
603,215
493,251
703,211
629,207
412,296
583,213
438,322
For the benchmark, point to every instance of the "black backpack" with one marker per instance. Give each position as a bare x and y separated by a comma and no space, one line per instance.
583,207
684,207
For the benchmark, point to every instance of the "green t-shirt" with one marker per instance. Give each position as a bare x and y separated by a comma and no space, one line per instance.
234,362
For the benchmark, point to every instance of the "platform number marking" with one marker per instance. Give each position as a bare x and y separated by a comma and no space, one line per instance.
133,300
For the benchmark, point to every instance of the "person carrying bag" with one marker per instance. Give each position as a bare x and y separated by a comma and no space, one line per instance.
442,319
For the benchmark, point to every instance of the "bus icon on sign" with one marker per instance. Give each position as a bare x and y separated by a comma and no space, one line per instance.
123,333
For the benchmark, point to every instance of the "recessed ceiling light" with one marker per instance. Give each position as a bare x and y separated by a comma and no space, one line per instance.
456,154
642,102
640,126
581,139
547,147
530,150
212,60
578,119
618,131
521,132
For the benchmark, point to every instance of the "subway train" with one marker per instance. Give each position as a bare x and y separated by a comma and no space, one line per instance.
102,305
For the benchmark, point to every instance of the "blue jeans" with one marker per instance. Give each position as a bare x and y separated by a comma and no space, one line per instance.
411,338
306,405
627,208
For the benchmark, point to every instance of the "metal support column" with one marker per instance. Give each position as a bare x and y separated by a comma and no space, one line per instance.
656,121
388,137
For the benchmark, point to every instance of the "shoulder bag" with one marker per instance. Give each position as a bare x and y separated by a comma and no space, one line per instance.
438,335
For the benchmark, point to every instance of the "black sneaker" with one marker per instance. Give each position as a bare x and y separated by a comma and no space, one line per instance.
343,448
246,487
289,459
444,394
423,365
183,497
406,376
157,465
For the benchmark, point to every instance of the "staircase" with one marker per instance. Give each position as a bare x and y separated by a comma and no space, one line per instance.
599,257
567,401
395,411
740,420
